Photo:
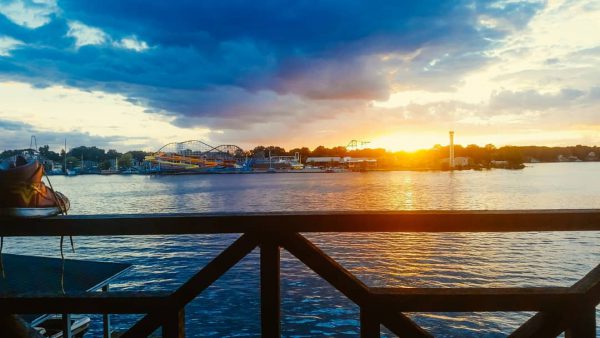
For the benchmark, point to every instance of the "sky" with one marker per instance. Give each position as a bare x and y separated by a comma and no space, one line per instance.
133,74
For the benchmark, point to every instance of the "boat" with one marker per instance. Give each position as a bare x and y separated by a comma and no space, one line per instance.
130,171
22,192
52,326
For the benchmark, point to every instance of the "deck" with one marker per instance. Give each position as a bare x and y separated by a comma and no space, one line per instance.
559,309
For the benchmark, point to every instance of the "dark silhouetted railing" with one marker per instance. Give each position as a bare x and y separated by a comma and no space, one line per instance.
559,309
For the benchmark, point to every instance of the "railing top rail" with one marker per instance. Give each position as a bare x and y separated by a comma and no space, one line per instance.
338,221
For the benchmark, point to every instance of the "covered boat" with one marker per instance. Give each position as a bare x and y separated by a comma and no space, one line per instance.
22,192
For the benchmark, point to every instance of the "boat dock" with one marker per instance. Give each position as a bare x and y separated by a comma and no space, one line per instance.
50,277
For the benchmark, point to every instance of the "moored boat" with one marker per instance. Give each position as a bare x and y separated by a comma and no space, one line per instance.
22,192
52,326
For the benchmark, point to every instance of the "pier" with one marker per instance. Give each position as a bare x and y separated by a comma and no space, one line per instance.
559,309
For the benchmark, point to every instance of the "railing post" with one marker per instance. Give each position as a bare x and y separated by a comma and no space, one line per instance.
106,317
174,325
369,325
269,288
582,324
66,325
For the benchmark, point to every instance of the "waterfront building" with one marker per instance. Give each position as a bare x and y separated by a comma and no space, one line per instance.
459,162
346,162
591,156
499,164
324,161
568,158
277,162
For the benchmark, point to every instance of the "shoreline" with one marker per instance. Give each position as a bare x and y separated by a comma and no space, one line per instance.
320,171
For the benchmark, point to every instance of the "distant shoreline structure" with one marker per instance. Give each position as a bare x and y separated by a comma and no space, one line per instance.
320,171
234,160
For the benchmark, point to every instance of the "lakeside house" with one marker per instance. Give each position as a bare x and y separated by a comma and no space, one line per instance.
569,158
499,163
459,162
345,162
592,156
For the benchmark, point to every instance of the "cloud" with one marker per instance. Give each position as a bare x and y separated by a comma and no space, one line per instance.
132,43
62,110
249,68
29,13
325,79
9,125
16,135
7,44
230,74
595,93
86,35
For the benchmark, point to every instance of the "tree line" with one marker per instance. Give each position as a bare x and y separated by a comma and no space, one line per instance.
103,158
431,158
424,158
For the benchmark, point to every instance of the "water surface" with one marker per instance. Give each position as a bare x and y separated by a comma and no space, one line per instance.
310,306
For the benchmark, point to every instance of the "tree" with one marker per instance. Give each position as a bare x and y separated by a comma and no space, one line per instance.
304,153
320,151
258,151
104,165
479,155
275,151
339,151
45,152
89,153
511,154
112,154
125,160
138,155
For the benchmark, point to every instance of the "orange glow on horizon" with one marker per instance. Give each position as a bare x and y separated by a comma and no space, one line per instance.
409,141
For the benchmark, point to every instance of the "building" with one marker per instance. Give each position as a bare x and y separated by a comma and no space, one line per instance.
360,163
568,158
325,161
354,163
499,164
277,162
591,156
459,162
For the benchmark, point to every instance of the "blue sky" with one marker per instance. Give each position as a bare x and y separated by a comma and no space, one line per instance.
137,74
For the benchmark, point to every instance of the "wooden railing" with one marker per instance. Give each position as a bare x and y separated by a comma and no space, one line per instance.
559,309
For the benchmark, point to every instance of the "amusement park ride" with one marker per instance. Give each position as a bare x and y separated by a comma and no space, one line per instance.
197,157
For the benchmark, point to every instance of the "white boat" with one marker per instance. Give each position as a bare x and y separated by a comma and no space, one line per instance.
51,326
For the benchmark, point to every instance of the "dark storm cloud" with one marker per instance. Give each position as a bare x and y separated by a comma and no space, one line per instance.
227,63
7,125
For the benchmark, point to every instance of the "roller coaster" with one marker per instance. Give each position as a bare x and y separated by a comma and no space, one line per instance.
195,156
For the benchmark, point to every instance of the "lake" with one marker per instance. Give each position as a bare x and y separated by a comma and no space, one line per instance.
310,306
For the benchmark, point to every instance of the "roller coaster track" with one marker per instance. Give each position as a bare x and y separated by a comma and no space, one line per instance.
194,153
